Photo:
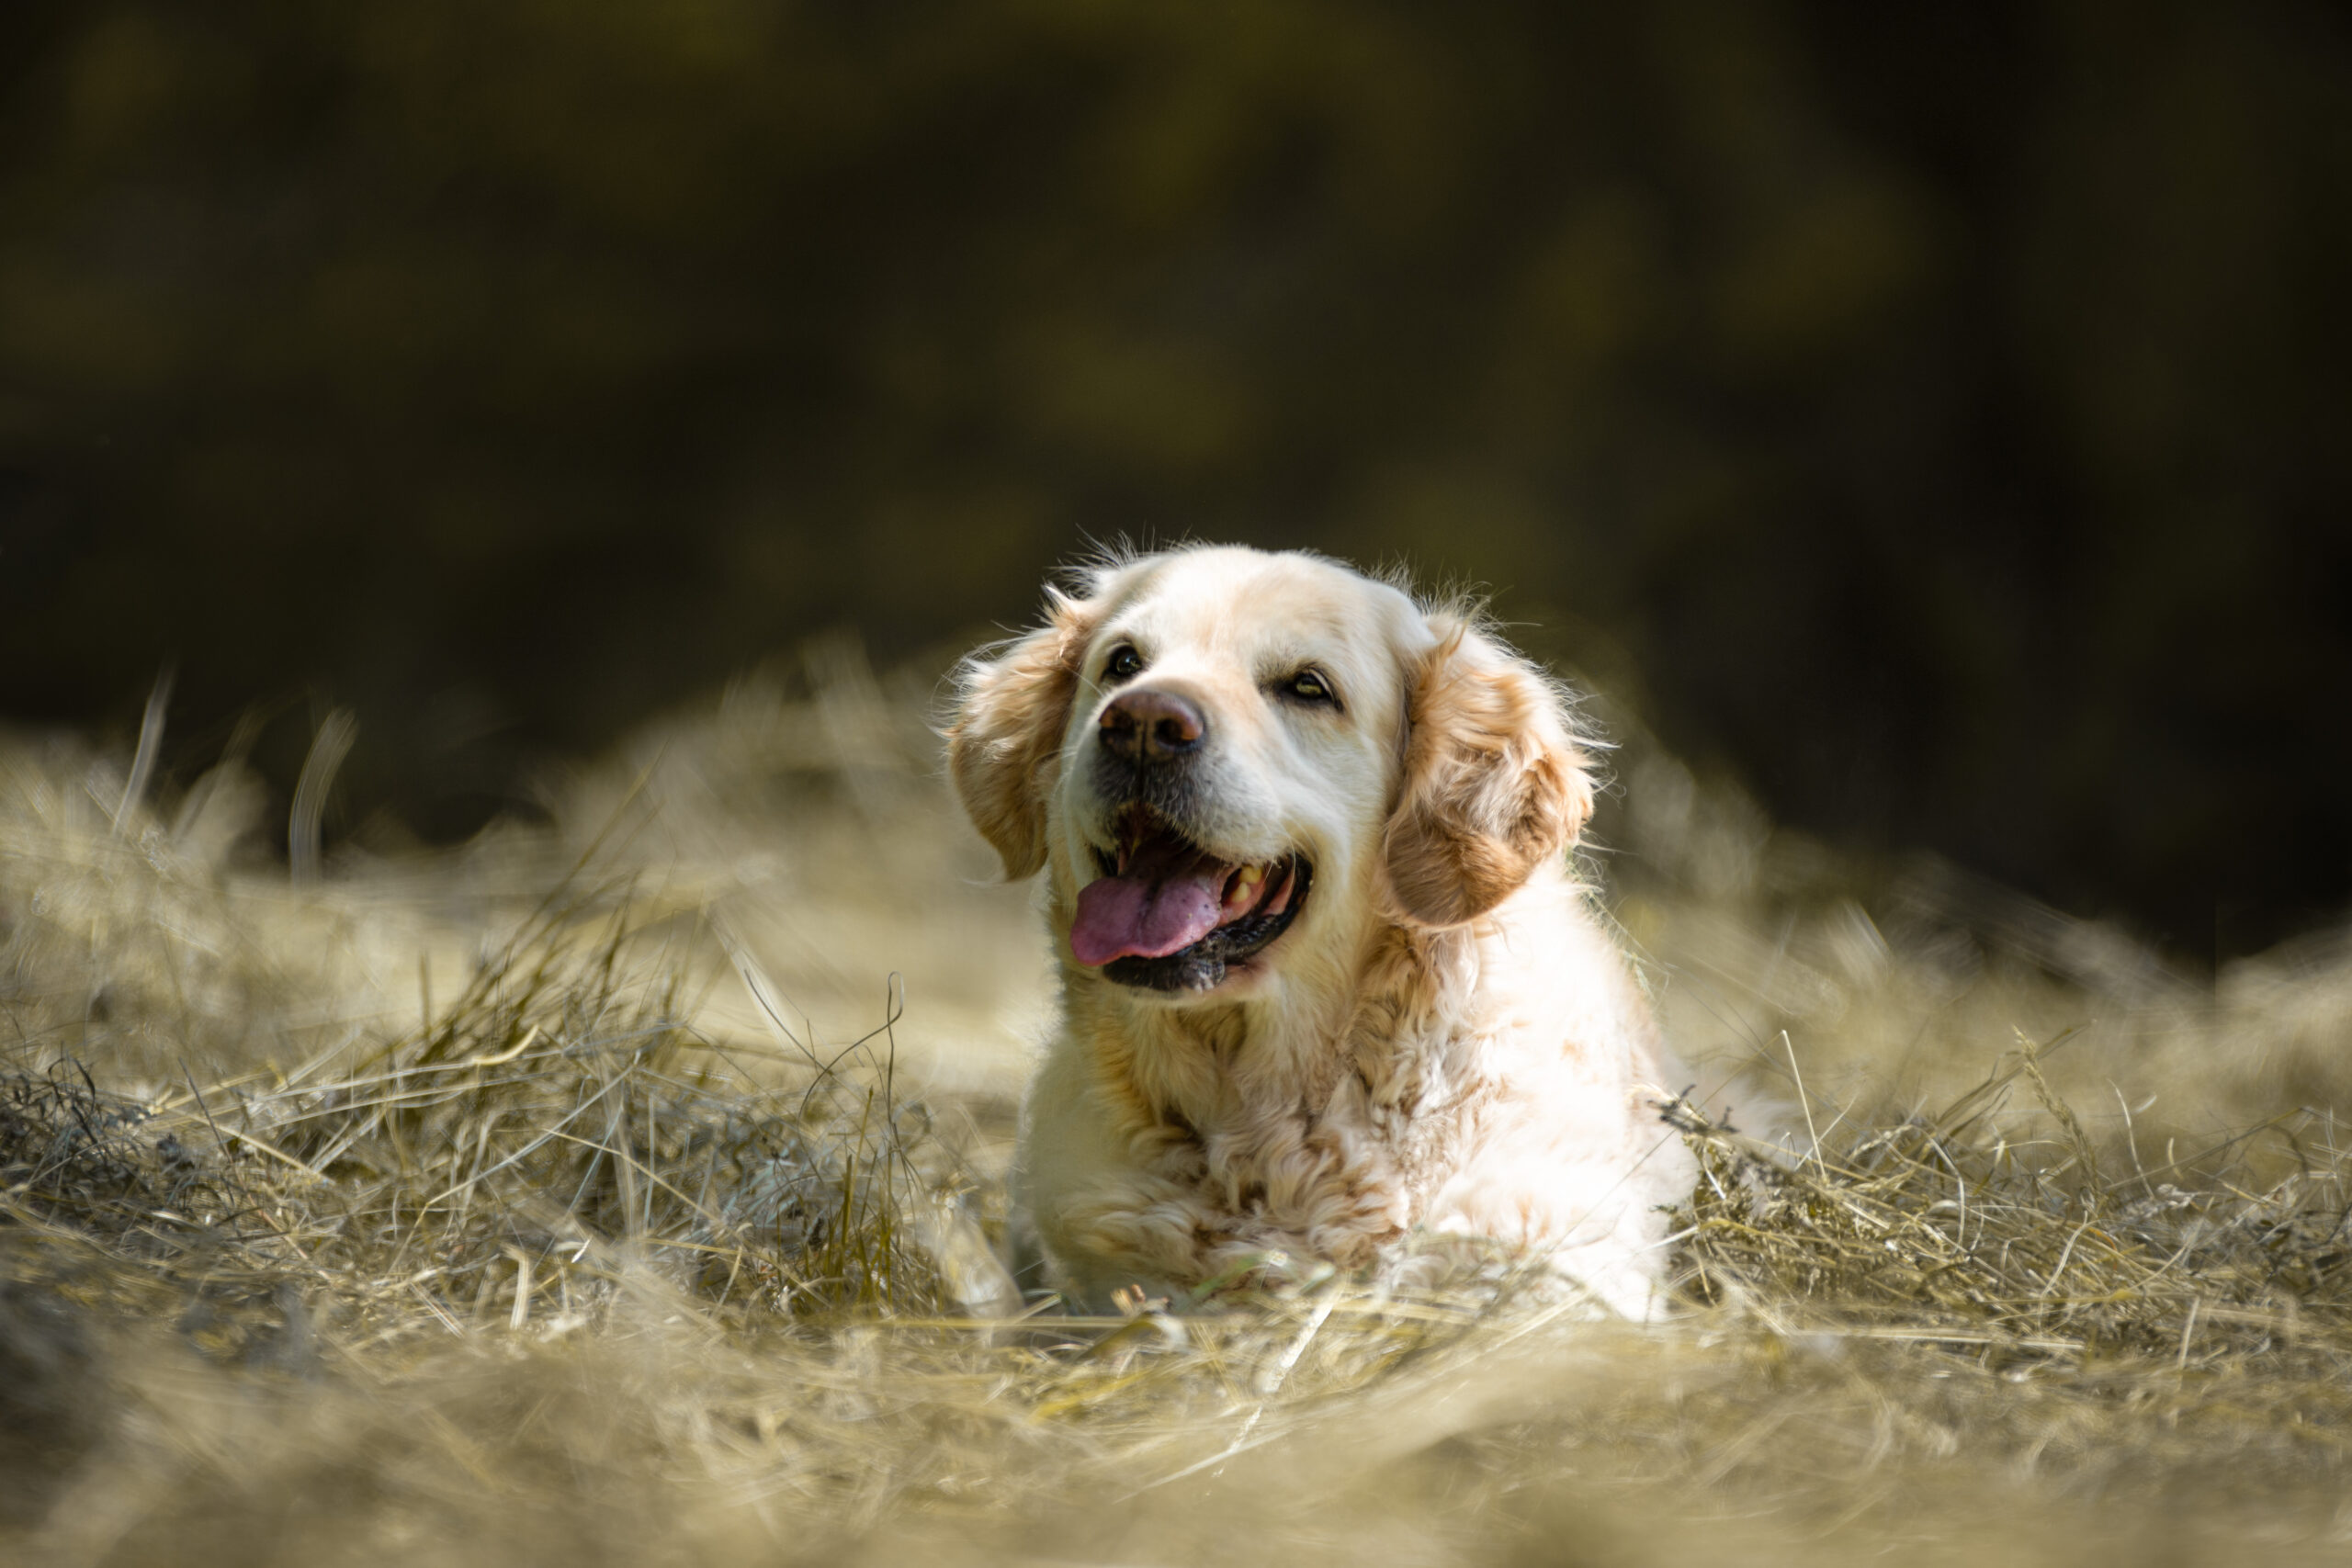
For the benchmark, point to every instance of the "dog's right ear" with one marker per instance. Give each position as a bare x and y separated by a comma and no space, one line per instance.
1005,740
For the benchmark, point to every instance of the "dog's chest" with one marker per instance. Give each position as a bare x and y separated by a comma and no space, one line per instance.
1355,1147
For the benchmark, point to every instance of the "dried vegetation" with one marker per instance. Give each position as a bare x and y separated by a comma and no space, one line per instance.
663,1231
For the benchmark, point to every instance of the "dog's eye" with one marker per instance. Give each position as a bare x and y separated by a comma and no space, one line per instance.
1124,661
1310,687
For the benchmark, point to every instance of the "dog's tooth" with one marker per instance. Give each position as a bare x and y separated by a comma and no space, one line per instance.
1240,889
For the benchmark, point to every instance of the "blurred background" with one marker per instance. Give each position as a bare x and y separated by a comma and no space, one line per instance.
1932,417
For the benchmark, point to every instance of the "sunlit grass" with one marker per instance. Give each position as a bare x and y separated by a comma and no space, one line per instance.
629,1193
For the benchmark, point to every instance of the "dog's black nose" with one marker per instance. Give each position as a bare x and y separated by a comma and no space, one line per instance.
1152,727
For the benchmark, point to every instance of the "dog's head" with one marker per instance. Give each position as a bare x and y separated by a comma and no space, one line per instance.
1233,762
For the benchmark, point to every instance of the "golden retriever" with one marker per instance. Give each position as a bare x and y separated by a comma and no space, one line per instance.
1328,980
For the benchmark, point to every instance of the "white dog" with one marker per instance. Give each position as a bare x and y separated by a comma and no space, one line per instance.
1326,977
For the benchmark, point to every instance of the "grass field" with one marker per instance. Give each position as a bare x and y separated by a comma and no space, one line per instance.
623,1191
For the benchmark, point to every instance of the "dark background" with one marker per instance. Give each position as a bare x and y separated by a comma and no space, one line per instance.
1935,414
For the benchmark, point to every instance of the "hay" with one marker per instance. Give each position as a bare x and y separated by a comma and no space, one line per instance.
666,1235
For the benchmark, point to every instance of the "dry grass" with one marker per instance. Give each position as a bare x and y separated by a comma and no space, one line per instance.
627,1197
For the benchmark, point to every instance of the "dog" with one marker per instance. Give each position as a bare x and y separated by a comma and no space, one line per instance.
1329,982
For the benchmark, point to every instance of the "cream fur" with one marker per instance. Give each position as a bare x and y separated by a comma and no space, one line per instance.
1446,1041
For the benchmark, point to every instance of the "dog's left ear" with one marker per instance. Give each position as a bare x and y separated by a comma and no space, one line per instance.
1006,736
1495,784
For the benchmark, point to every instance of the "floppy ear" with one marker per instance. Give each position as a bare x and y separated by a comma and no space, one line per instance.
1006,736
1495,784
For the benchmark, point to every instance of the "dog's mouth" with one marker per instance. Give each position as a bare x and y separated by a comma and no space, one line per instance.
1168,916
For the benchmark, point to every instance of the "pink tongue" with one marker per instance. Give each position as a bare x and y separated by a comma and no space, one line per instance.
1120,916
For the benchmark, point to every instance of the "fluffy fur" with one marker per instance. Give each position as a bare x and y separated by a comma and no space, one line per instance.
1445,1040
